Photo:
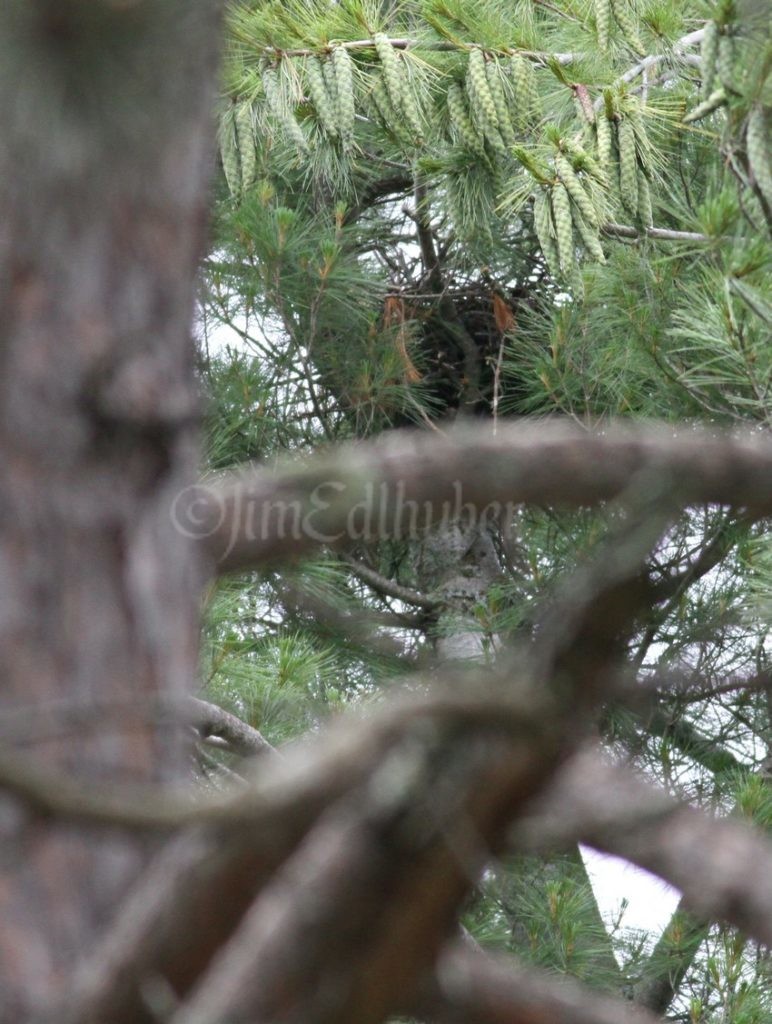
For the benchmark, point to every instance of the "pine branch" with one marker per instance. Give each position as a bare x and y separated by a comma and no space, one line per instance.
590,618
474,988
412,43
723,867
709,554
664,234
687,42
405,482
556,10
669,961
672,589
388,587
389,830
358,628
703,750
241,738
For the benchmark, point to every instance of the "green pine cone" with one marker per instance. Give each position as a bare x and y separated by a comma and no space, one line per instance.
575,189
716,99
320,97
564,226
401,97
380,97
759,157
582,160
412,115
628,166
645,213
281,111
459,118
627,26
480,100
542,225
295,133
526,97
391,120
708,58
328,73
605,137
589,237
392,69
603,22
500,102
229,152
272,90
725,62
632,109
495,140
534,100
344,92
245,137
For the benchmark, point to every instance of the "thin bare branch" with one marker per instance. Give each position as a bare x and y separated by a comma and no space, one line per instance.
663,234
388,587
687,42
412,43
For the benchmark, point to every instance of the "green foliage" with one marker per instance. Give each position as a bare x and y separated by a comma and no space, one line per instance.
273,681
547,914
437,209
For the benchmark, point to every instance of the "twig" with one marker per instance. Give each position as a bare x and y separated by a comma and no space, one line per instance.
555,9
684,43
664,234
643,66
497,384
388,587
406,43
672,589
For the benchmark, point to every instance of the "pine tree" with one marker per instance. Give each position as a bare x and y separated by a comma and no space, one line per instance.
518,232
487,212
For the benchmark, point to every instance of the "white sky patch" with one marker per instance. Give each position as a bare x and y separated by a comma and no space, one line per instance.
651,901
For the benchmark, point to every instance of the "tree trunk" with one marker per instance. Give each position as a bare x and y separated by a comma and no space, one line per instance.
457,562
104,160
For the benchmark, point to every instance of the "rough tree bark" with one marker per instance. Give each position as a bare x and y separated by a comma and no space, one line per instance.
105,153
457,563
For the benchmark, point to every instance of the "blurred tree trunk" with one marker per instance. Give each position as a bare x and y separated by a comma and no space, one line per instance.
457,561
104,159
